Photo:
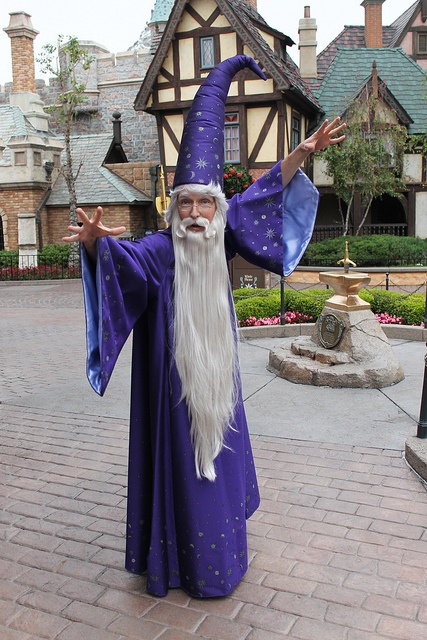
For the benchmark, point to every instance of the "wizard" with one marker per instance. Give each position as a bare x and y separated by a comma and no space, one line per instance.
191,479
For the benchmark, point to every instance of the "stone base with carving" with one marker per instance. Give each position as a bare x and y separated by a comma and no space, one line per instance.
363,358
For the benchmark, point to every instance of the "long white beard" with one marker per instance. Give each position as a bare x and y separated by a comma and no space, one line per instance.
205,349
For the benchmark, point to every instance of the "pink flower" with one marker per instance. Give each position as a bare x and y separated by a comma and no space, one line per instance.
291,317
385,318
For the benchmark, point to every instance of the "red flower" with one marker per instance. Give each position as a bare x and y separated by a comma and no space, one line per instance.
239,175
232,172
226,176
231,190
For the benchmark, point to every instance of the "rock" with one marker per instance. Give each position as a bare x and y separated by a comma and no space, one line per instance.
363,358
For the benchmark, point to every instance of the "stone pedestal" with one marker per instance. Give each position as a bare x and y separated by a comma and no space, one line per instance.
348,347
27,240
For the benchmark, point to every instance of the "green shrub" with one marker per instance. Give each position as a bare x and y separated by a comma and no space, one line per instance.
54,254
309,303
8,259
410,308
368,251
265,303
247,292
236,179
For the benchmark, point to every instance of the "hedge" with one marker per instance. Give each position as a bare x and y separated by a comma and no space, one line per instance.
8,259
52,254
368,251
264,303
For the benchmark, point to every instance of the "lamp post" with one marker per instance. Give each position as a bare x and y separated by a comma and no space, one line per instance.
282,301
422,423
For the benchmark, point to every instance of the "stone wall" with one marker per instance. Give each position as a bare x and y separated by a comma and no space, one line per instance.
112,85
18,201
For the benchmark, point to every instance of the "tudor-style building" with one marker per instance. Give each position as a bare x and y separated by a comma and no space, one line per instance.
391,59
408,31
264,120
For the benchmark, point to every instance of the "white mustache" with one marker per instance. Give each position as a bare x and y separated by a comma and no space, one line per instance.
181,232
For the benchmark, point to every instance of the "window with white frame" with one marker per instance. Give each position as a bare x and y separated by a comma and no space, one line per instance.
232,137
207,53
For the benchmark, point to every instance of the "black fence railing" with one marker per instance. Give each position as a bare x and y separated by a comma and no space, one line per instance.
419,261
335,231
12,268
26,270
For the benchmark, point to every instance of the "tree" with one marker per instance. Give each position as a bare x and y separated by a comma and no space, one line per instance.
369,161
67,62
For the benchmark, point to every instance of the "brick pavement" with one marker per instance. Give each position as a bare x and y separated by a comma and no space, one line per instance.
338,549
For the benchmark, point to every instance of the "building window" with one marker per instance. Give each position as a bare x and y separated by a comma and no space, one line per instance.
419,42
20,158
232,137
56,160
207,53
296,130
37,157
283,51
422,43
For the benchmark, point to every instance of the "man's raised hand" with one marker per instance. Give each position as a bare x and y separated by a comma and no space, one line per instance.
91,228
325,135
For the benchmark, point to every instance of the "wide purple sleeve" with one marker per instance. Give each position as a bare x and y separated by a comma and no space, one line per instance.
270,226
116,293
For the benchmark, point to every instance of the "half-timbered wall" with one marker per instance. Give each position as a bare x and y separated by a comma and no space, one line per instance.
264,118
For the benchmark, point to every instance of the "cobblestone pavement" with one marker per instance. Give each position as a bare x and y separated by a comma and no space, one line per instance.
338,549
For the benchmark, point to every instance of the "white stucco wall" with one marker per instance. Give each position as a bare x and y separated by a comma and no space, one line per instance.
421,217
320,178
413,168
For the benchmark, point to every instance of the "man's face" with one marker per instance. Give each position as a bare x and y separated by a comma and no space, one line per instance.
194,206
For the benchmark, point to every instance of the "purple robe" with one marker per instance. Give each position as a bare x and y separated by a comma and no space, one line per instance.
183,531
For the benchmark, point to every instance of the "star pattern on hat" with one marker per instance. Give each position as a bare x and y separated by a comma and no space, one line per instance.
203,136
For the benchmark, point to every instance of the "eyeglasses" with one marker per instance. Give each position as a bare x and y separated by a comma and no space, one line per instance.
203,206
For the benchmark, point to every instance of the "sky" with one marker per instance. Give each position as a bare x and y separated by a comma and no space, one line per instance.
117,25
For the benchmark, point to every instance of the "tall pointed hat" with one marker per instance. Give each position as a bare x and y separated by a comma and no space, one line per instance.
201,154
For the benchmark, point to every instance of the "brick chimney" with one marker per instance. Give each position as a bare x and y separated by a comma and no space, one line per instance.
307,45
22,35
373,23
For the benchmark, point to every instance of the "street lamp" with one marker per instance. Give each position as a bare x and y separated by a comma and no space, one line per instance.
422,423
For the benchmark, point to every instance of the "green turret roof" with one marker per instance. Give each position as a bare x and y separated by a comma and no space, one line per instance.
161,11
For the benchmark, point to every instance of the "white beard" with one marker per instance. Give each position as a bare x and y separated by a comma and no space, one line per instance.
205,349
